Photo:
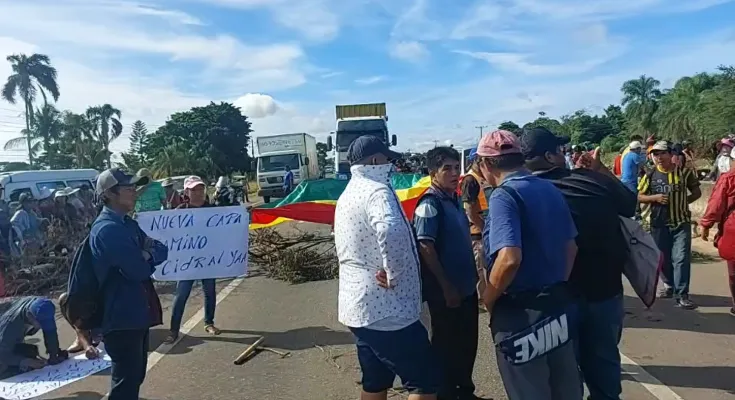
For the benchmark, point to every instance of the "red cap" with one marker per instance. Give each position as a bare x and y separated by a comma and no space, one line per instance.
498,143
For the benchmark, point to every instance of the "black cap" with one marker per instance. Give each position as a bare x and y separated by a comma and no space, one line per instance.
538,141
369,145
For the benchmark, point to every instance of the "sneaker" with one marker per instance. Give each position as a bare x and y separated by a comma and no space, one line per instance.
685,303
732,311
666,293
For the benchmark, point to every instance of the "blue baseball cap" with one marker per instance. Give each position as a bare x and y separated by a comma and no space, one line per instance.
44,312
473,153
369,145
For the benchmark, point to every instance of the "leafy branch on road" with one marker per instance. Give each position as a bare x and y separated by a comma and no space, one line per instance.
298,258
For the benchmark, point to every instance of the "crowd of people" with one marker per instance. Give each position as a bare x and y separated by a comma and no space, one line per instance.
110,296
531,234
27,227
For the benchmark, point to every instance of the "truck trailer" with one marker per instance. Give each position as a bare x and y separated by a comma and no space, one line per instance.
353,121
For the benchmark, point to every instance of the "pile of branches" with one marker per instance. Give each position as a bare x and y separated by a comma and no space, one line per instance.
45,270
303,257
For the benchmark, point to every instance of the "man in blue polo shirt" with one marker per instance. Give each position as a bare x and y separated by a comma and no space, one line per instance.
449,274
530,249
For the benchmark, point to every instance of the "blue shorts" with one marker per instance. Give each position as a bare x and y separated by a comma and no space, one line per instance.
406,352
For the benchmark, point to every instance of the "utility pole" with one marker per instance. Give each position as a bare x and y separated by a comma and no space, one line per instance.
481,127
435,142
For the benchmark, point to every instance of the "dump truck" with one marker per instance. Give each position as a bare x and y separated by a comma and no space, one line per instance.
353,121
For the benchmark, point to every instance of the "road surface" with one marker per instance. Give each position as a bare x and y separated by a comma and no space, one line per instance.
676,354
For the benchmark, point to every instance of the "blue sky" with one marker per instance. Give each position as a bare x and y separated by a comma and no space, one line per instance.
443,67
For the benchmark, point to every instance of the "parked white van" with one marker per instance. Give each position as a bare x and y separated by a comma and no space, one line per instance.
12,184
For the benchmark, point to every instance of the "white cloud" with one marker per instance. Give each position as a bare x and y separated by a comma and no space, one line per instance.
147,61
371,80
315,19
257,105
518,63
411,51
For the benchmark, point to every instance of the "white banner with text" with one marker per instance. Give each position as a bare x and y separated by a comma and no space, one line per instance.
202,243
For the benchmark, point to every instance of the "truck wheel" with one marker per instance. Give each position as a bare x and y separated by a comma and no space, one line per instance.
266,199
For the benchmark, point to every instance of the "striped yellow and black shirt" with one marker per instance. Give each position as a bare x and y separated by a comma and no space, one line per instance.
677,183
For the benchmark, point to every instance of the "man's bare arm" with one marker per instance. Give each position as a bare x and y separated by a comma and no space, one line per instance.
502,273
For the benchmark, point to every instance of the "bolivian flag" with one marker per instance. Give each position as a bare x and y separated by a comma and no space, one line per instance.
314,201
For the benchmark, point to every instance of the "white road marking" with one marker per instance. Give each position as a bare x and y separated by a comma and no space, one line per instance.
195,319
648,381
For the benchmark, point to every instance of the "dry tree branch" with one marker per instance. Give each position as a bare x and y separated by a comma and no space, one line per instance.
298,258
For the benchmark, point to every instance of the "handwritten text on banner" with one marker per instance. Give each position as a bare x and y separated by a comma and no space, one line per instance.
203,243
35,383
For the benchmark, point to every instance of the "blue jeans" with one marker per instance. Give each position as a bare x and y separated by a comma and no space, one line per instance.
676,246
183,289
600,329
406,352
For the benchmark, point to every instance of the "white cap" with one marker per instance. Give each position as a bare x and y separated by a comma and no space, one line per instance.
635,145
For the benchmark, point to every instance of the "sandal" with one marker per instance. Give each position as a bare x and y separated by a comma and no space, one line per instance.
212,330
171,338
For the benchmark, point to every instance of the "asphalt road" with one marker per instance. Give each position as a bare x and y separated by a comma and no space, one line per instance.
676,354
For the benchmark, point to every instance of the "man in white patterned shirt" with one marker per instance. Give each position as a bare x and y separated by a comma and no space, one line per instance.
373,236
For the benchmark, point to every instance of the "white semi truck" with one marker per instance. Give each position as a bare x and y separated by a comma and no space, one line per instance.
353,121
294,150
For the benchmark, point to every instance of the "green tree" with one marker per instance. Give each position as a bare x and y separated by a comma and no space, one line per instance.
640,99
615,117
511,126
30,75
134,159
212,139
545,122
78,137
107,126
14,166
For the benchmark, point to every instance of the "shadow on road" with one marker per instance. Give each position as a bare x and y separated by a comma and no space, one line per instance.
665,315
86,396
715,378
291,340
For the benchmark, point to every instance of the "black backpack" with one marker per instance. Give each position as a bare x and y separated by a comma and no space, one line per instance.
83,305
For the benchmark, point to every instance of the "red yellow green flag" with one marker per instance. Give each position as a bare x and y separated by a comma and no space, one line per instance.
314,201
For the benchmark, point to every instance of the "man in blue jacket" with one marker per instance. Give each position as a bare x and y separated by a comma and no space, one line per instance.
124,259
21,317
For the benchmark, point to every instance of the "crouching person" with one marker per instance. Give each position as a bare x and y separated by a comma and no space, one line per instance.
123,260
86,340
530,249
24,317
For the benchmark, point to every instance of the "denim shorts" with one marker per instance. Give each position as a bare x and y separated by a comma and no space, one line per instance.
406,352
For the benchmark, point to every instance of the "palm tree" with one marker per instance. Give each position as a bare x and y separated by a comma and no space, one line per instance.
45,127
640,99
30,74
77,131
107,126
681,106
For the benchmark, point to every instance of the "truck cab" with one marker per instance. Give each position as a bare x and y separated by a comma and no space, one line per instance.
354,121
297,151
272,168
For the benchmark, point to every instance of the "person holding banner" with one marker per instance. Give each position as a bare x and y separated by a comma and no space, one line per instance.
196,194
